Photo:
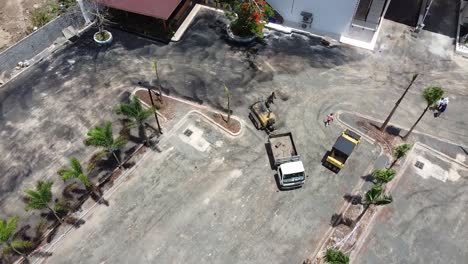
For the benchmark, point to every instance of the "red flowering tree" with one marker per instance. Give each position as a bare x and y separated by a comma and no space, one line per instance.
251,17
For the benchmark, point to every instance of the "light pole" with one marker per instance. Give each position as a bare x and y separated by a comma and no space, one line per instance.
152,104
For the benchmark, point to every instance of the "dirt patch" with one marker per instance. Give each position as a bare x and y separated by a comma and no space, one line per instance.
167,107
15,19
388,139
233,125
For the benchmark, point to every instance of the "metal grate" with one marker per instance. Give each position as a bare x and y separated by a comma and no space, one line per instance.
419,165
188,132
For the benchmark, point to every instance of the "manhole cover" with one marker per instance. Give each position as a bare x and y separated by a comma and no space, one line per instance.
188,132
419,165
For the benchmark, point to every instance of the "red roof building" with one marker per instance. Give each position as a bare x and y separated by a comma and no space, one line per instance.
161,9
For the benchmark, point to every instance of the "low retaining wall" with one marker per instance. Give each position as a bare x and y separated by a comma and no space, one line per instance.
37,41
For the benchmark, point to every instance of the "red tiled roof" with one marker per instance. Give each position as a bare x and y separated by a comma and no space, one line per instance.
155,8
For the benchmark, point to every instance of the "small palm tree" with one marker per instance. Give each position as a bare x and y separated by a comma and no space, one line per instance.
399,152
7,230
431,95
374,197
155,68
75,171
383,176
334,256
227,92
41,198
102,137
138,113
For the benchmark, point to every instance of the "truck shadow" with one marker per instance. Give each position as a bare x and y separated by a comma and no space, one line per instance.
271,159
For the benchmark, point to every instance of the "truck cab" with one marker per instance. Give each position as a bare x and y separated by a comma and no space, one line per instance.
291,174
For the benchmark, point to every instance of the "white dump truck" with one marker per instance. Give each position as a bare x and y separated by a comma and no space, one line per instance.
286,160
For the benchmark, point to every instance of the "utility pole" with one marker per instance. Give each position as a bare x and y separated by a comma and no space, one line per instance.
385,123
152,104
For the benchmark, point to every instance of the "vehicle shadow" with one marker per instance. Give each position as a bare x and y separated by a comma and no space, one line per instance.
271,159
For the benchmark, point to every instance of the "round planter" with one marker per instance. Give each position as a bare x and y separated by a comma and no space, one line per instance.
242,40
103,42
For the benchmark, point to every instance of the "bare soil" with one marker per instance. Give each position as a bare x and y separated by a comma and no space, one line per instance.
388,138
15,20
233,125
168,106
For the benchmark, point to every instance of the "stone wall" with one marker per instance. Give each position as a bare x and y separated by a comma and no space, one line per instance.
38,41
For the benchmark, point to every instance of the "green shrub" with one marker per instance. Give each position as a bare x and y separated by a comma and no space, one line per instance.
67,3
335,256
40,17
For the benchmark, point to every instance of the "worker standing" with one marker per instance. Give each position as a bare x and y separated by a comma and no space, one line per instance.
329,119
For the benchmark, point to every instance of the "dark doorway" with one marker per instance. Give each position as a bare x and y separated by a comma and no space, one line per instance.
443,17
404,11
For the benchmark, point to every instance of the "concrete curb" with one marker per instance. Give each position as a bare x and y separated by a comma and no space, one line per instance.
203,115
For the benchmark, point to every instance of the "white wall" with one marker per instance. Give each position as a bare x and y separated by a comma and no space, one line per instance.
329,15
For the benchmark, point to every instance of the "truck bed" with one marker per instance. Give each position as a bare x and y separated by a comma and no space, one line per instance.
283,148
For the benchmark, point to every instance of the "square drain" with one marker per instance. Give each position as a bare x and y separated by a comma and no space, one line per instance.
188,132
419,165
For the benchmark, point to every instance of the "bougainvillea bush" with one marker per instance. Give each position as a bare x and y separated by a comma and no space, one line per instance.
251,17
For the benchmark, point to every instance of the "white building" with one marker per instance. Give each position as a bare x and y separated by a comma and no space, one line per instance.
355,22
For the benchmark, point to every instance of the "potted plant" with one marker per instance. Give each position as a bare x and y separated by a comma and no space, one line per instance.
103,36
248,20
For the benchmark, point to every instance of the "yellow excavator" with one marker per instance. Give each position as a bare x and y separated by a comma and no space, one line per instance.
262,116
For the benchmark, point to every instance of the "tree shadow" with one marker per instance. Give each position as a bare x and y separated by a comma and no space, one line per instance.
339,219
392,130
368,178
464,150
98,198
354,199
74,221
41,254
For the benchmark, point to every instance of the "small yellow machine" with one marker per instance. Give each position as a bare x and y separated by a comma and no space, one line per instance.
342,149
262,117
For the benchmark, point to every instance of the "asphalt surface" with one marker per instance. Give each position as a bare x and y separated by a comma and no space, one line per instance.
209,198
46,111
426,221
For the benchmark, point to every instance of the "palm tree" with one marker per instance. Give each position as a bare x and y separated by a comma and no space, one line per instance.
228,96
383,176
41,198
101,137
155,68
75,171
399,152
136,111
431,95
7,230
334,256
385,123
374,197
